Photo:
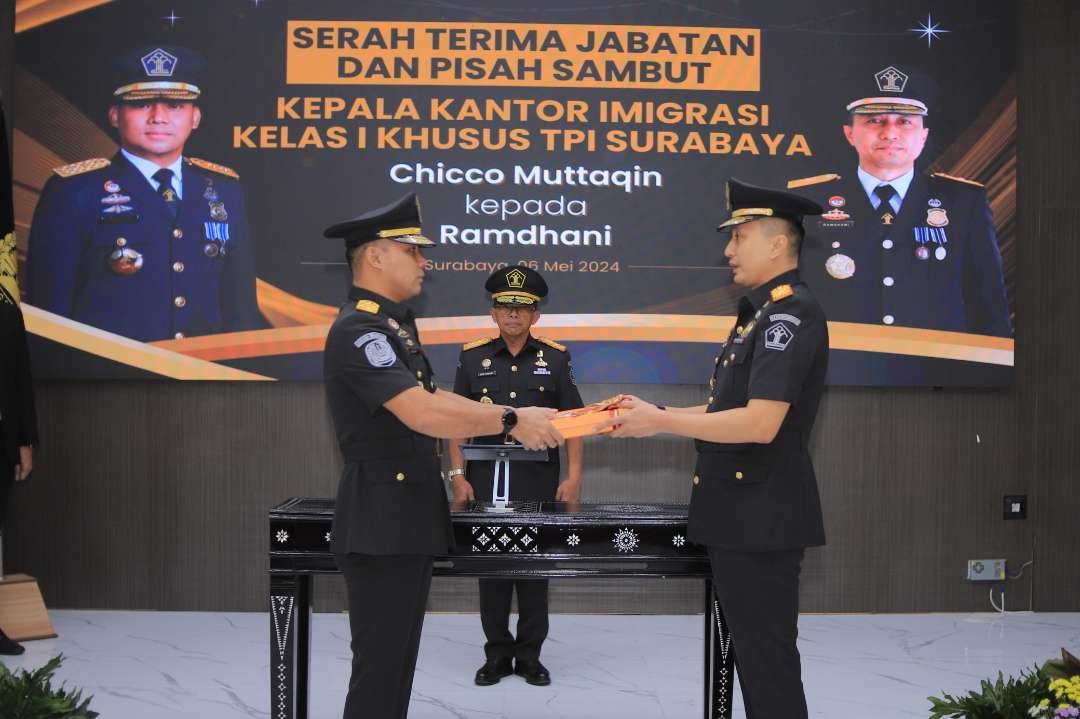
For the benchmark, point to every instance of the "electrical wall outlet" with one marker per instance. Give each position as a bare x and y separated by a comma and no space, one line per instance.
1015,506
986,570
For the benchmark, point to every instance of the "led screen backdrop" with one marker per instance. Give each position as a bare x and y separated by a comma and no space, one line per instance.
589,141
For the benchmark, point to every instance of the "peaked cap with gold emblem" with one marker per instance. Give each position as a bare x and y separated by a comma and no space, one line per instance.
166,72
516,285
747,203
398,221
894,89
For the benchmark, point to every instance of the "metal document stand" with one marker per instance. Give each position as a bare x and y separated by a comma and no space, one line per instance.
502,455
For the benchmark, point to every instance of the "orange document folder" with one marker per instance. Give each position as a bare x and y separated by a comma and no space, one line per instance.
580,422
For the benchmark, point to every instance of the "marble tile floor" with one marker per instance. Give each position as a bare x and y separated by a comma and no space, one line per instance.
150,665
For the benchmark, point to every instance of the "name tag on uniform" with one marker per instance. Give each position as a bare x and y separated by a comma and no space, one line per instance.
541,370
486,373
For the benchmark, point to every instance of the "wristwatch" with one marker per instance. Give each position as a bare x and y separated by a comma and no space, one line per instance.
455,473
509,420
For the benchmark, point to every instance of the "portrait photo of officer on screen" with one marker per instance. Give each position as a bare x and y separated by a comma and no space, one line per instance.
896,246
151,244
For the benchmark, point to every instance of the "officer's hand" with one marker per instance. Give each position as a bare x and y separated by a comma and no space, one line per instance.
534,429
26,463
462,490
568,491
637,418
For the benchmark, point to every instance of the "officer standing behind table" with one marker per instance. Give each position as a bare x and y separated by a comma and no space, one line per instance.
391,514
896,246
152,244
517,369
754,500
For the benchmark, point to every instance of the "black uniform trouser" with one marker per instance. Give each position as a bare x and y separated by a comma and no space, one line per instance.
387,598
532,626
759,596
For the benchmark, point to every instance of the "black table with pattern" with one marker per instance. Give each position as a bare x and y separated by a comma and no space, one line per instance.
532,539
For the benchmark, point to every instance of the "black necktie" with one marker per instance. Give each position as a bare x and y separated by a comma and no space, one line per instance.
885,193
165,189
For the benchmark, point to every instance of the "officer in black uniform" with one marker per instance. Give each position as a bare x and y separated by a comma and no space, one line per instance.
754,501
18,417
516,369
896,246
151,244
391,513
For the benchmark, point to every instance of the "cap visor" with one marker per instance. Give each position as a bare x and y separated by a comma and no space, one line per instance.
737,221
418,240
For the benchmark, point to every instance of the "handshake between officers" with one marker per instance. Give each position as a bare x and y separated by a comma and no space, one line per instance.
391,514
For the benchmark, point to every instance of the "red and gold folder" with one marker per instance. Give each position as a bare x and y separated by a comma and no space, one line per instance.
580,422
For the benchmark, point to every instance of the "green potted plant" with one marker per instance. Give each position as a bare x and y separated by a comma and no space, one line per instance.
1049,692
30,695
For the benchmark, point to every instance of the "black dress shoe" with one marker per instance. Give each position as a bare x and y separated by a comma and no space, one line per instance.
493,670
7,646
533,671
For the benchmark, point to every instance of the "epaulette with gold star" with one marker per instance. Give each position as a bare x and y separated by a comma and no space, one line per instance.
552,343
958,179
476,343
815,180
781,292
214,167
368,306
81,167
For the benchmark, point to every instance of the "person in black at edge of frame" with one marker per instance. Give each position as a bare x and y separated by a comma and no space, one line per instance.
18,417
754,499
391,514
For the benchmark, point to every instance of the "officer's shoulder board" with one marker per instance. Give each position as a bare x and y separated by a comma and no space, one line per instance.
815,180
781,292
368,306
552,343
82,167
476,343
954,178
214,167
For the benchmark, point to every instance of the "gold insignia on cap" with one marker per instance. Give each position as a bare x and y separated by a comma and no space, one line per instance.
399,232
515,278
78,168
781,292
515,298
368,306
746,211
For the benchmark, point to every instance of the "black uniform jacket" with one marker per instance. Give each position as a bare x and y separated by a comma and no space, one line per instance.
391,498
18,420
936,266
540,376
764,497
